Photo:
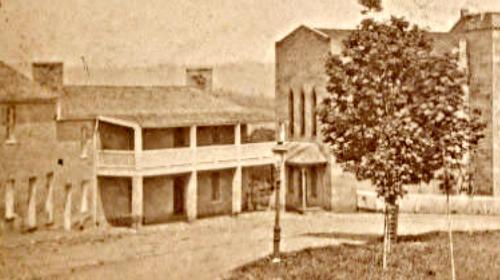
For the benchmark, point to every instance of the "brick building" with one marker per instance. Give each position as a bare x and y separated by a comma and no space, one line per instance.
122,155
300,85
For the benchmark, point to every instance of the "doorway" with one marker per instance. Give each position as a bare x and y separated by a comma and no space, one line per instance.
179,183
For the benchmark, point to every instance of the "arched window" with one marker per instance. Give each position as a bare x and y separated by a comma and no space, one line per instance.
302,114
290,112
313,113
10,123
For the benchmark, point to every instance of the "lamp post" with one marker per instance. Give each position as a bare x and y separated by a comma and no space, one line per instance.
280,151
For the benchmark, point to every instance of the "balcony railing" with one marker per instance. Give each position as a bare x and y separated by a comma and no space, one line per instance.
176,160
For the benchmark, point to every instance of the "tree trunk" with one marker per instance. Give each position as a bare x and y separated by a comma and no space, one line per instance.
391,214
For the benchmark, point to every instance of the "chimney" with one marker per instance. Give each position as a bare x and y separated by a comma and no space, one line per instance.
199,77
49,74
464,12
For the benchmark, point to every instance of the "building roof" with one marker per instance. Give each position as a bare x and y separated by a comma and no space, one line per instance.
442,41
156,106
305,153
15,87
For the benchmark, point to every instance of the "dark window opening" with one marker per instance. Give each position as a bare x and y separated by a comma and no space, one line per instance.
290,112
302,115
313,110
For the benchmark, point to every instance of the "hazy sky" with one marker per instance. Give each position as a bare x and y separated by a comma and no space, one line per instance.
128,32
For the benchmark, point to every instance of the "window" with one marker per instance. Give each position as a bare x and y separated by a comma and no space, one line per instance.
313,113
10,124
216,191
84,141
302,114
290,112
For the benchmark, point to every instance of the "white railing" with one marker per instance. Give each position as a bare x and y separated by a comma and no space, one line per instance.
214,154
116,159
183,159
166,157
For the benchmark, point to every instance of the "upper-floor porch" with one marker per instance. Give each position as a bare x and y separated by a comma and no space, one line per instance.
124,148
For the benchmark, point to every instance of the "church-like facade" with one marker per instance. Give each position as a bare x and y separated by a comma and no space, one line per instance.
301,84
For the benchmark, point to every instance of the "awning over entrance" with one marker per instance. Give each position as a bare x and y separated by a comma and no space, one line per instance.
301,154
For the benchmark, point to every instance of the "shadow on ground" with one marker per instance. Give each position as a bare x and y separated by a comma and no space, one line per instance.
374,238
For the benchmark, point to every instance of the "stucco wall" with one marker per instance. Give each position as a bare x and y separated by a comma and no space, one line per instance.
496,111
479,44
38,152
207,206
300,67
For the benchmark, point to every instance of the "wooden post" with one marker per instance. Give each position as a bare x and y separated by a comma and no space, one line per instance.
237,177
49,204
31,219
191,196
10,213
137,146
304,187
237,187
95,186
68,188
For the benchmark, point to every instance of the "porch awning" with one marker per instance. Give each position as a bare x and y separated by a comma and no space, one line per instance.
306,154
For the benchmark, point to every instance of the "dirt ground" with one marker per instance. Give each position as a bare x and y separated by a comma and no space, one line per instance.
204,249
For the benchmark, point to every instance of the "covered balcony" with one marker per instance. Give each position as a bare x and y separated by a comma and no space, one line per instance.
127,149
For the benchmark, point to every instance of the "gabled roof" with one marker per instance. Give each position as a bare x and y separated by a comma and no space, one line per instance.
305,153
15,87
442,41
156,106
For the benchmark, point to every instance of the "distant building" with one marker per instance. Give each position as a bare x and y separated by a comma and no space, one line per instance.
123,155
301,84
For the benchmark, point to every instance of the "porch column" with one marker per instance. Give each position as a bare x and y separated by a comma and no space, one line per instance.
68,188
304,187
49,204
95,186
237,186
237,134
32,187
137,201
191,196
10,213
192,136
137,145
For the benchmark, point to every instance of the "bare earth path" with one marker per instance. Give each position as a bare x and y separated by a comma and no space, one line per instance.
205,249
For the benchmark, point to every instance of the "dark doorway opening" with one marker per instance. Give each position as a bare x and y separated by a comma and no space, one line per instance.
179,183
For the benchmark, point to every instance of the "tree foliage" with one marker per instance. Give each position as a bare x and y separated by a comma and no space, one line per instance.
371,5
397,113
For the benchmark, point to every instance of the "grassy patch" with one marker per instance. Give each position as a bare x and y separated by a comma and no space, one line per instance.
477,256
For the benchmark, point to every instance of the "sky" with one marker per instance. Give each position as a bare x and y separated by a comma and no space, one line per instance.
186,32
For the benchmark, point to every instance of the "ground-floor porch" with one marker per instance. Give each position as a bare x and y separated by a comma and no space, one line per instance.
143,200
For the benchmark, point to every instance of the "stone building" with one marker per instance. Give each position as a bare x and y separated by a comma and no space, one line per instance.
300,85
122,155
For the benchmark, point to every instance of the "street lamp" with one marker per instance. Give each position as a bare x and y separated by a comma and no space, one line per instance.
279,150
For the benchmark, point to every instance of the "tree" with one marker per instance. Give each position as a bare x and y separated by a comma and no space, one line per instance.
370,5
396,112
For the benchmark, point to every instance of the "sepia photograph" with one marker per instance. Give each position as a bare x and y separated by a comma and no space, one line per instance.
249,139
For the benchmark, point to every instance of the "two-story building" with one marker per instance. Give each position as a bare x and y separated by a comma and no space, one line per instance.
301,84
123,155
